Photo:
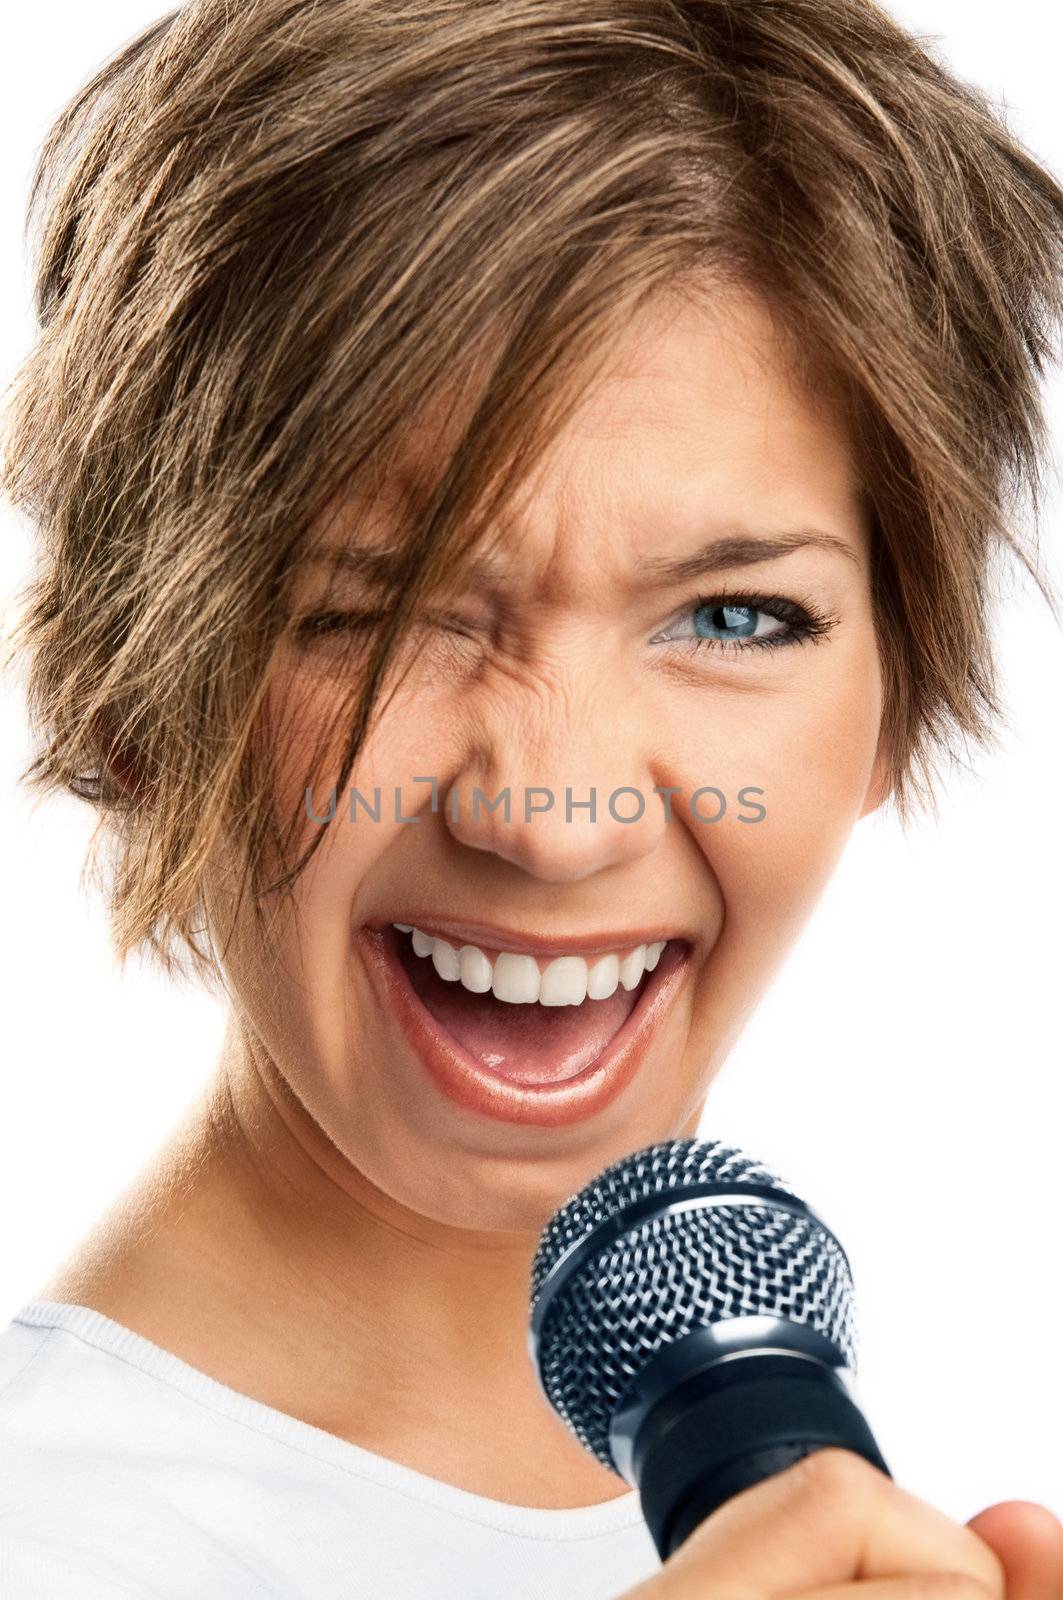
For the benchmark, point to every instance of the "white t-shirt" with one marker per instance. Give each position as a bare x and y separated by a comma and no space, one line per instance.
126,1472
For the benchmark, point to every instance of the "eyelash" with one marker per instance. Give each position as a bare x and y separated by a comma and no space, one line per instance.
327,622
803,622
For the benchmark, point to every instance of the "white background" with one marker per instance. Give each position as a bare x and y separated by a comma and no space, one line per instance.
904,1073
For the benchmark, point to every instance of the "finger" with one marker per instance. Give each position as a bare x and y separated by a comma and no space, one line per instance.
1028,1540
690,1584
828,1519
924,1586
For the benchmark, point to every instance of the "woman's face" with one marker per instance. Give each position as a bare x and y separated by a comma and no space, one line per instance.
588,657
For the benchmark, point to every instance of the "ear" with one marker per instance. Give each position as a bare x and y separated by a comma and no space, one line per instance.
879,787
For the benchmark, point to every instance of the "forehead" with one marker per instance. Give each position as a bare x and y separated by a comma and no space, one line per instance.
700,419
704,396
691,359
705,426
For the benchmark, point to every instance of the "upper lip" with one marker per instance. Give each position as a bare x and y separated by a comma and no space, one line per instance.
490,936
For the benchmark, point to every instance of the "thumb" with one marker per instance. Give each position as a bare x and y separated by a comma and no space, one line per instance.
1028,1539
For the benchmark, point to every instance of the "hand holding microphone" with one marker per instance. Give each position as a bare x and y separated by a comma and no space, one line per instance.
693,1326
832,1527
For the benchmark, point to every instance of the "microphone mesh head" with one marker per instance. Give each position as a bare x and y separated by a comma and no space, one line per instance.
673,1272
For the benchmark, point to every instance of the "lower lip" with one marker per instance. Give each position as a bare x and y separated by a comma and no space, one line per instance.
473,1086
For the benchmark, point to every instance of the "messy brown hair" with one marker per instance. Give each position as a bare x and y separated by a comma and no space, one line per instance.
265,234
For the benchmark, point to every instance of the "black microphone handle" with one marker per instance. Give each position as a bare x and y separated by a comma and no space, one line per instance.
729,1426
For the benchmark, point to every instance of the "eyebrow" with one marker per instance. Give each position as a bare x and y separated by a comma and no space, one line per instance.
378,566
742,550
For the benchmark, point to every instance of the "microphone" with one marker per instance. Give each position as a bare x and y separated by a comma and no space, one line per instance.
693,1324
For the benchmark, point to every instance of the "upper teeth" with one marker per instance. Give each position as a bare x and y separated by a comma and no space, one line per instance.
563,981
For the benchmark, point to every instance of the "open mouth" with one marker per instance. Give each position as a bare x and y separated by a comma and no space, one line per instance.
522,1037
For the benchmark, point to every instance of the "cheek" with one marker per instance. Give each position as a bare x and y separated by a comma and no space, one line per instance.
310,711
308,717
413,734
811,748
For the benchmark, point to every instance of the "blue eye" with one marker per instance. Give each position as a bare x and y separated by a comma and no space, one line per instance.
725,622
739,622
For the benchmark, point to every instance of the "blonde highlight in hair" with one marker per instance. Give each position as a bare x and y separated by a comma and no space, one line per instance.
271,237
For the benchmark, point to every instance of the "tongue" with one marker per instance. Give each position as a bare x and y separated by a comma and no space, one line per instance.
524,1043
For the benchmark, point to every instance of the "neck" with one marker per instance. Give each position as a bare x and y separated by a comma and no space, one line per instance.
255,1252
